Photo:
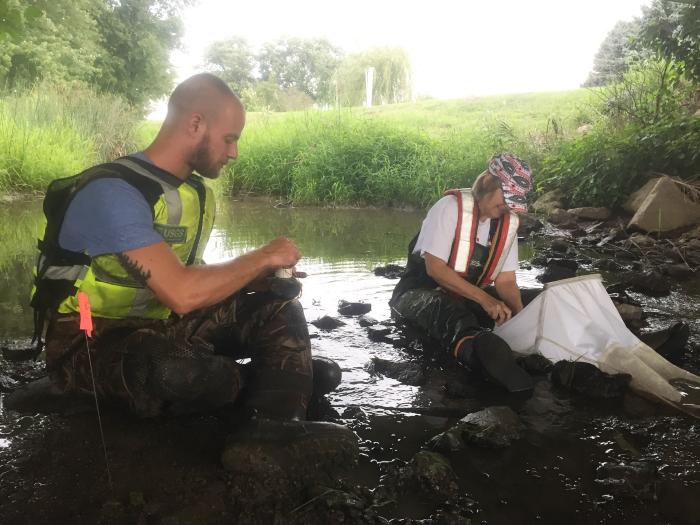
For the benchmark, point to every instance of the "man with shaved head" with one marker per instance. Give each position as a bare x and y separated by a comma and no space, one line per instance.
167,328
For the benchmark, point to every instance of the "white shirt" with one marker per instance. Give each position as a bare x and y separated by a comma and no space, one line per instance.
438,232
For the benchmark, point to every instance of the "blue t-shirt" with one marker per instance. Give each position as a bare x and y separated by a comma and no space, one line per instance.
108,216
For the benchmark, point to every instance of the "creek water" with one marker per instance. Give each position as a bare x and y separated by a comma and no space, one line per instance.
551,474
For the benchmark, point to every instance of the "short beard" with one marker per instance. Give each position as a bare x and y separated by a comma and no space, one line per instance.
201,161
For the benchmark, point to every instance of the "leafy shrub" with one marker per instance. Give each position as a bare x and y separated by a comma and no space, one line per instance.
603,167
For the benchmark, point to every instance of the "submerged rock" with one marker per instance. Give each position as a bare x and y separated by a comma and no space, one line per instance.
390,271
558,269
365,321
327,323
350,309
638,479
406,373
586,379
493,427
434,473
378,332
649,283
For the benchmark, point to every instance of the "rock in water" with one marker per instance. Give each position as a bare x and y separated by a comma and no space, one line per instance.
638,479
406,373
586,379
493,427
350,309
558,269
434,473
327,323
390,271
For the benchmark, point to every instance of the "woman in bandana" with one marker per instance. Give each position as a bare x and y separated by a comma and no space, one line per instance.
468,241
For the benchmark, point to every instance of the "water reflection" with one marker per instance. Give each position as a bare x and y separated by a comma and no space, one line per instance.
340,248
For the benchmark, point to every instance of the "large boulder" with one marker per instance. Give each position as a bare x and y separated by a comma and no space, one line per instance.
548,202
665,208
635,200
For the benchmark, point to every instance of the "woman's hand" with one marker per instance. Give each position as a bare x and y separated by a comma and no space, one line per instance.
497,310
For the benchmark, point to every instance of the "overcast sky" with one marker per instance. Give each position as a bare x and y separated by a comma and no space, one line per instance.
457,48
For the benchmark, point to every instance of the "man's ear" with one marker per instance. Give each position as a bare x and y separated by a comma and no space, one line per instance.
196,125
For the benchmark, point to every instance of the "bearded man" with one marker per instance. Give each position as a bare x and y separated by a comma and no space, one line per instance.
168,329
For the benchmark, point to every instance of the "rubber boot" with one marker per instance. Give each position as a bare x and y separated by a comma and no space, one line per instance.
327,375
492,357
669,342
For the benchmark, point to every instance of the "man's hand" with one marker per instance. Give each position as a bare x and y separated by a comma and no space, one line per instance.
185,288
281,253
497,310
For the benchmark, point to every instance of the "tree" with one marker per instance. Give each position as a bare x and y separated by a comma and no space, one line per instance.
672,29
618,50
392,76
266,95
118,46
13,16
233,61
58,42
136,37
306,65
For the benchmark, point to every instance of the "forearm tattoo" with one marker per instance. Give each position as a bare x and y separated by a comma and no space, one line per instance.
134,269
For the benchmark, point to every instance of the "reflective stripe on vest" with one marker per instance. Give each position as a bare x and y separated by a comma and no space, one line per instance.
178,215
465,238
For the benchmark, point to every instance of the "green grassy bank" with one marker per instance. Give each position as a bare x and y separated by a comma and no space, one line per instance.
404,154
49,132
397,155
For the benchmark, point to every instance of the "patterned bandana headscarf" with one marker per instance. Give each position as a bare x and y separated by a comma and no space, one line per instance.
516,179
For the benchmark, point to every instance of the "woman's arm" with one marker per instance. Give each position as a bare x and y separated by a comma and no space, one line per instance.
507,289
450,280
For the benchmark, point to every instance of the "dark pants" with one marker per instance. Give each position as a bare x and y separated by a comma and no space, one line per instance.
153,364
444,317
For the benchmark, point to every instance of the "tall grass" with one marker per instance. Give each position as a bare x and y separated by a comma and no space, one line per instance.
50,132
403,154
396,155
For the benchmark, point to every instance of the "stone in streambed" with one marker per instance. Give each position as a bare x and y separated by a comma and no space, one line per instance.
350,309
327,323
586,379
493,427
406,373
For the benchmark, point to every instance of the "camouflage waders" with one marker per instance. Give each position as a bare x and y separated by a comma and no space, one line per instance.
442,317
152,365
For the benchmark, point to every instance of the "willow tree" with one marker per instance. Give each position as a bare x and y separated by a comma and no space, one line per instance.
392,77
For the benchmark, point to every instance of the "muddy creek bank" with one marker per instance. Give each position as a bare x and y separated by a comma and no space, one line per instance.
568,456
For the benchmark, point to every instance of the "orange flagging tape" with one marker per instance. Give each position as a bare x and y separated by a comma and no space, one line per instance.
85,314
